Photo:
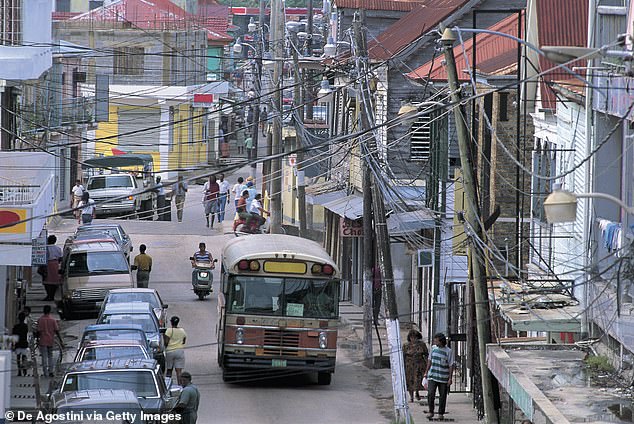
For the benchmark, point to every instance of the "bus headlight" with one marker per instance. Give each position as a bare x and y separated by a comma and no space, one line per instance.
323,340
240,335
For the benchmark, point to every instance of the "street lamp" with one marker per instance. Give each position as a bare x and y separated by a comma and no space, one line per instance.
561,205
252,27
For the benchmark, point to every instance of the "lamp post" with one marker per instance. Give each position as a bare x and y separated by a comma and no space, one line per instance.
560,206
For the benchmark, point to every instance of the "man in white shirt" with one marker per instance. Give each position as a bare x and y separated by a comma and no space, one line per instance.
237,190
76,193
223,196
257,211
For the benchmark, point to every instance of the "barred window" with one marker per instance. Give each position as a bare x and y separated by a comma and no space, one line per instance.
421,136
128,60
11,21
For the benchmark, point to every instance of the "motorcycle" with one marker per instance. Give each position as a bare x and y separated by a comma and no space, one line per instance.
202,277
252,227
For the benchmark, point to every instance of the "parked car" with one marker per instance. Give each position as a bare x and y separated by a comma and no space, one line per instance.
88,271
123,405
111,349
114,193
123,331
140,313
150,296
156,394
116,231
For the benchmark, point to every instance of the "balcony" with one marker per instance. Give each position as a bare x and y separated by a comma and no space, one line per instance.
71,111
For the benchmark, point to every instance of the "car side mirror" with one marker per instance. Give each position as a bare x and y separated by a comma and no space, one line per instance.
162,330
134,267
131,248
175,391
154,344
215,260
165,306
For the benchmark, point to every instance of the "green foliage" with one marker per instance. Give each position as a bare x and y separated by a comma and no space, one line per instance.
599,363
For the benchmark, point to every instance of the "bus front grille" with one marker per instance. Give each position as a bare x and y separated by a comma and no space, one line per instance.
277,342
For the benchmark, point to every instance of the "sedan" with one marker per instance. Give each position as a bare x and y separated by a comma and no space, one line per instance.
150,296
116,231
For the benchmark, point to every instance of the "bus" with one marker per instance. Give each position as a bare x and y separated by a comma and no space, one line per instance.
278,308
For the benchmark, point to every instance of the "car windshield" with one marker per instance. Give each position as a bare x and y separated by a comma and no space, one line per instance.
110,181
112,352
140,382
147,321
94,233
127,297
295,297
114,334
84,263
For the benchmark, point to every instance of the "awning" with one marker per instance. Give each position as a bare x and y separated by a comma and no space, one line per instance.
324,192
350,207
408,222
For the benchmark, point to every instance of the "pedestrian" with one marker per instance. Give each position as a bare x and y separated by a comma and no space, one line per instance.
439,371
53,259
252,192
240,140
76,192
264,116
175,339
143,264
237,190
415,357
248,144
21,345
188,400
180,191
28,320
161,203
223,196
87,207
47,329
211,189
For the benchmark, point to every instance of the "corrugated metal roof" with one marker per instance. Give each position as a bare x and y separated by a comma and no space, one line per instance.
424,16
560,23
387,5
154,15
493,53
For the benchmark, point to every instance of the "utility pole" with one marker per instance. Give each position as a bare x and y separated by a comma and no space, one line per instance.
259,50
298,102
277,44
392,324
474,221
368,265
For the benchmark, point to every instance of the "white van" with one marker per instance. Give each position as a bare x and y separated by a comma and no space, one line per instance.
89,270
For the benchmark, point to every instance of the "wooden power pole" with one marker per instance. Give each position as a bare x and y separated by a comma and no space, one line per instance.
474,221
392,324
277,44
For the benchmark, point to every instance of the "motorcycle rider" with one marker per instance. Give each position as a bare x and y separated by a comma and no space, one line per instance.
257,211
202,255
241,210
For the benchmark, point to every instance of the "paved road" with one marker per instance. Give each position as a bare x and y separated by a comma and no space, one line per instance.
356,395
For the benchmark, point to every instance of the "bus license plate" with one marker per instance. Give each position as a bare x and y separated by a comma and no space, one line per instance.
278,363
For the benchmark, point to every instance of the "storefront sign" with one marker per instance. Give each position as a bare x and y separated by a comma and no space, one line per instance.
350,228
38,252
12,221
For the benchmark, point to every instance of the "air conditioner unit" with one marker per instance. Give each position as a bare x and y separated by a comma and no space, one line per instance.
425,258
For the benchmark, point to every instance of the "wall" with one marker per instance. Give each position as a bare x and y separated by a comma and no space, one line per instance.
402,268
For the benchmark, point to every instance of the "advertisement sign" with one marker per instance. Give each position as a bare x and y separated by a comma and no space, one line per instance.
8,217
38,252
350,228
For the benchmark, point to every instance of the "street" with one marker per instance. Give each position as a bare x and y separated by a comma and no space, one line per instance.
355,394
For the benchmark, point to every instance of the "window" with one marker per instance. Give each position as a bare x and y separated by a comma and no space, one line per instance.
423,131
62,5
11,21
503,106
128,60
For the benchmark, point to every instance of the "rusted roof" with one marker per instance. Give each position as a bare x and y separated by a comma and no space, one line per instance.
153,15
560,23
424,16
387,5
494,53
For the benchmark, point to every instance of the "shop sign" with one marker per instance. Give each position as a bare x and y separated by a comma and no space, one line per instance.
38,251
350,228
13,221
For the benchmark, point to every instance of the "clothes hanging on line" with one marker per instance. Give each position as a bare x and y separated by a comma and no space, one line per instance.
611,234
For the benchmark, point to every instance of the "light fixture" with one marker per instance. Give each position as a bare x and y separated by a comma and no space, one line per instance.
325,92
561,205
406,109
565,54
237,47
252,25
330,48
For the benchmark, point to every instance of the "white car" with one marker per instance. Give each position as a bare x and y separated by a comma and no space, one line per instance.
134,295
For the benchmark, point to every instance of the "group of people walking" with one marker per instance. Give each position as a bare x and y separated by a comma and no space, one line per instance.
428,370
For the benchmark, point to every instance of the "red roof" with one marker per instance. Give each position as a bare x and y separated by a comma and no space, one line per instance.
425,15
560,23
155,15
62,16
494,53
387,5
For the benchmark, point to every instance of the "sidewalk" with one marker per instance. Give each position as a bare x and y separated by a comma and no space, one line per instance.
459,405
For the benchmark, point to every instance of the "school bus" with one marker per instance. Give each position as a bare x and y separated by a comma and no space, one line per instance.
278,308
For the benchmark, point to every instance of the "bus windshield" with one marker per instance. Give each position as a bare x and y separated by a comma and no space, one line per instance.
291,297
